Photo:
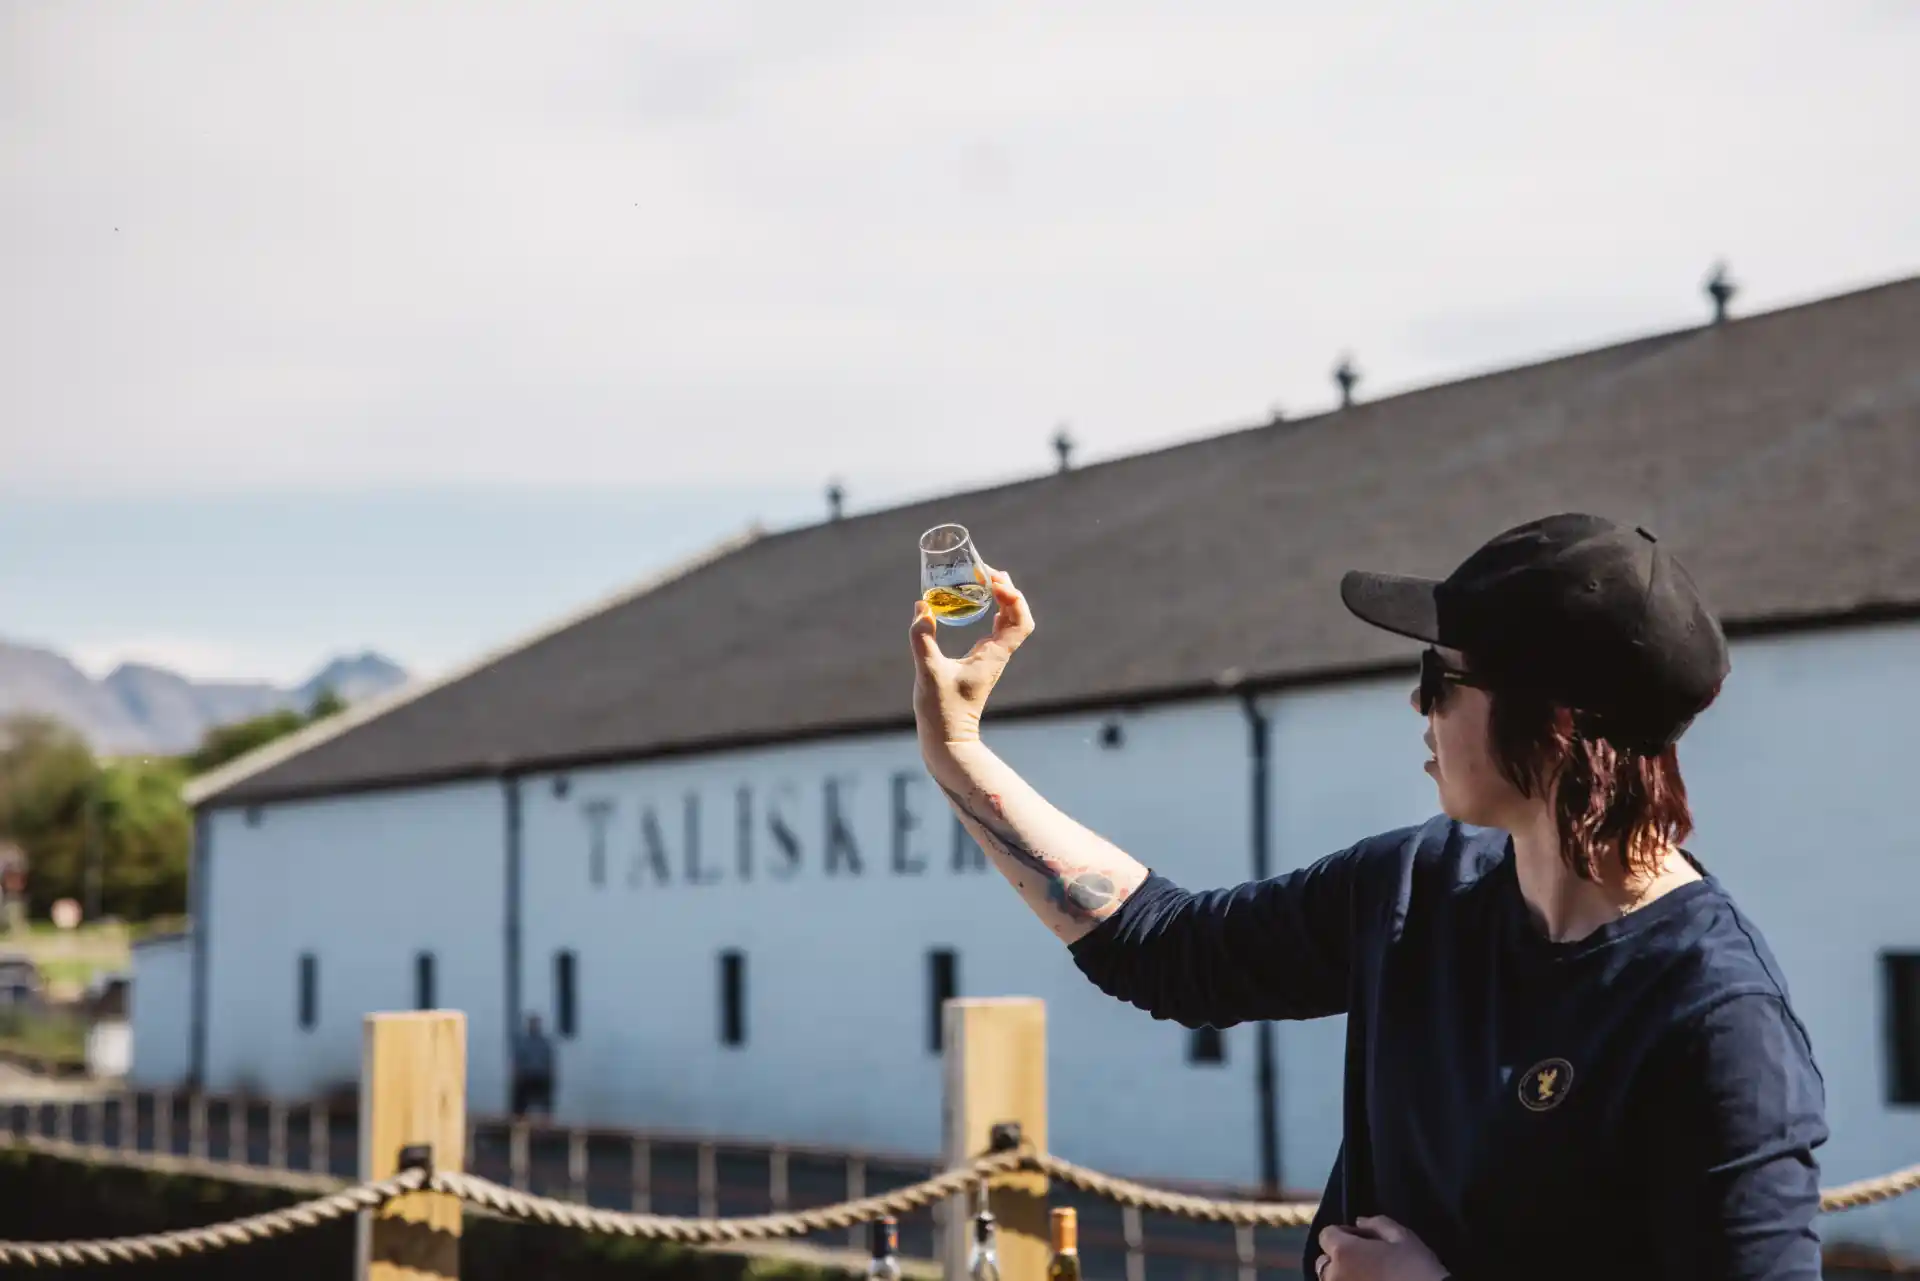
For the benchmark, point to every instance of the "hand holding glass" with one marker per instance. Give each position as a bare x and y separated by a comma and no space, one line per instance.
953,578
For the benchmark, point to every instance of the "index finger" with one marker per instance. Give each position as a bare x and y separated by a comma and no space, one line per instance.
1334,1239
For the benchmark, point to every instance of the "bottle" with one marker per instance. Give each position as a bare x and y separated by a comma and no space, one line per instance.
984,1263
883,1234
1066,1245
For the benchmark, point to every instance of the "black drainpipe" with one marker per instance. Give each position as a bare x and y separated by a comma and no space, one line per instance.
1266,1071
198,922
510,786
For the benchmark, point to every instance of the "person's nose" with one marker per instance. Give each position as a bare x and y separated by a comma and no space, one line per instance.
1413,698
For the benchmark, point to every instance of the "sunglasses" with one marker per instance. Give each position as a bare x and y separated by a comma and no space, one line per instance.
1435,676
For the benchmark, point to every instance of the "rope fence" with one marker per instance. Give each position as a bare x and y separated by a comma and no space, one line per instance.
486,1195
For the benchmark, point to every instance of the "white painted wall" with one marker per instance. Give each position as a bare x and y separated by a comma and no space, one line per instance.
160,1004
1802,781
363,882
837,1045
1345,765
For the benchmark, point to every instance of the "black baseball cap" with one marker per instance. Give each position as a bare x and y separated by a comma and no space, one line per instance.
1596,616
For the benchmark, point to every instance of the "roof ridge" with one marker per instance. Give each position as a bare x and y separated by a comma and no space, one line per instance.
281,750
1653,337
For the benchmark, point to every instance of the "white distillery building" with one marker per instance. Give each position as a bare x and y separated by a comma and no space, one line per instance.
690,827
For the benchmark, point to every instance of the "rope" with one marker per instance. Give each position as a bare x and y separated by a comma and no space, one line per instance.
1265,1214
761,1227
258,1227
1851,1196
486,1195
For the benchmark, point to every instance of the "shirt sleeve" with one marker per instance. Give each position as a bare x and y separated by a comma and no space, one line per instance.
1734,1182
1281,948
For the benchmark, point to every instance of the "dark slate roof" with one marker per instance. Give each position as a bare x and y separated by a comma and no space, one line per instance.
1778,454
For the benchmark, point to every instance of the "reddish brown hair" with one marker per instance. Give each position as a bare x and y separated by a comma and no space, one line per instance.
1615,807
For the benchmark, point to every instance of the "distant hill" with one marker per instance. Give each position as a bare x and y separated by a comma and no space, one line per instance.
138,708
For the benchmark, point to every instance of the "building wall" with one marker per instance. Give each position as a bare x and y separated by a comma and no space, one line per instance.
160,1009
362,883
1345,765
1799,778
837,1047
1802,781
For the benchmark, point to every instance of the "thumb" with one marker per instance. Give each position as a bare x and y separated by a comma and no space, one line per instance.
926,647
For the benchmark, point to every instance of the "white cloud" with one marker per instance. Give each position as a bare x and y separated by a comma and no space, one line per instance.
333,243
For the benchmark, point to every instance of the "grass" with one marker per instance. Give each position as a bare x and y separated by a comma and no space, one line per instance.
69,972
44,1035
68,960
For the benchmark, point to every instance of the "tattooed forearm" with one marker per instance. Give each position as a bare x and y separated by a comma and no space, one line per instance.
1081,893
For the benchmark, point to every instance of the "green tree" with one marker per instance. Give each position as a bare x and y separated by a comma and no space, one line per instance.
146,835
46,777
224,743
69,811
325,704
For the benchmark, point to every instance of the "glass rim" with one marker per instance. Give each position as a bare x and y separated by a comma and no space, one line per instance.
966,537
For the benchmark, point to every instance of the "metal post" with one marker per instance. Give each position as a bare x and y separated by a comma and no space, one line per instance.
163,1123
277,1135
1243,1246
517,1155
856,1188
97,1123
577,1165
319,1132
1130,1228
237,1152
197,1126
642,1176
63,1122
709,1179
777,1179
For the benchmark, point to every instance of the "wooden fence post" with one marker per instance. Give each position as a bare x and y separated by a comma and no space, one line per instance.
996,1072
413,1090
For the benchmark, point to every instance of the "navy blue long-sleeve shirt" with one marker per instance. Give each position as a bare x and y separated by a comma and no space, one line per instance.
1641,1102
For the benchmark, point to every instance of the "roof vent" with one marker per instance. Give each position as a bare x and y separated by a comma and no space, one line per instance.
1721,290
1347,376
836,498
1063,446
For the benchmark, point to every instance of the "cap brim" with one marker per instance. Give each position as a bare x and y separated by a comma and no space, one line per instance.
1404,606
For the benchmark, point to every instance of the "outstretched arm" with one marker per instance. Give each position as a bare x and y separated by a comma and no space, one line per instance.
1071,877
1272,949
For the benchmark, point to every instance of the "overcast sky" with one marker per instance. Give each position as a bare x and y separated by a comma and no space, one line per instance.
409,266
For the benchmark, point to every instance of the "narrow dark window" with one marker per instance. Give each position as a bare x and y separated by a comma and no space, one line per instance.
1207,1045
1902,970
733,998
943,984
309,990
423,994
564,1010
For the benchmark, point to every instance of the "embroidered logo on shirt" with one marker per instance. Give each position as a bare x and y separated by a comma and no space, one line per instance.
1545,1084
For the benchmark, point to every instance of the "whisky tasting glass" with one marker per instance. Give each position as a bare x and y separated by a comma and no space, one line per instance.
953,578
